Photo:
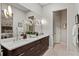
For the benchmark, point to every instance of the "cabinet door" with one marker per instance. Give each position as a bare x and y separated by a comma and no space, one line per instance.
33,50
36,51
44,44
45,41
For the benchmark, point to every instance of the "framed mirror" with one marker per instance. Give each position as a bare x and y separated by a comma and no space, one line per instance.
17,19
6,21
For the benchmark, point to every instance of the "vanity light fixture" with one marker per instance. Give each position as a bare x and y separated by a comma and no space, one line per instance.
5,13
43,21
8,12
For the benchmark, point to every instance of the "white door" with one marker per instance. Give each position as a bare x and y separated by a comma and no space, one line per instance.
56,28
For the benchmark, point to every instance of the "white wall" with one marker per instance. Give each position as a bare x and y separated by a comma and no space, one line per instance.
77,7
48,14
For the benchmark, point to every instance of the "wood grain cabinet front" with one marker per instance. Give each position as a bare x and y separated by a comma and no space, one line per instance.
35,48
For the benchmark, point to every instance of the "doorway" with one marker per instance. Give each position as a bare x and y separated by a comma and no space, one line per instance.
60,27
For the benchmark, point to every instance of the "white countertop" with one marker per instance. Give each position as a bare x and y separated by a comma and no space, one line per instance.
10,44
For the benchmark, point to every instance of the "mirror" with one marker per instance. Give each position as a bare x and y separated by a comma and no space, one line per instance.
33,22
16,20
32,26
6,21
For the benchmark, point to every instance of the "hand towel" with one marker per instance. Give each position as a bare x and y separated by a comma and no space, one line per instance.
75,34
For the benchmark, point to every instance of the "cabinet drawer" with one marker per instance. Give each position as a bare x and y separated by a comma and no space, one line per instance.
19,50
33,50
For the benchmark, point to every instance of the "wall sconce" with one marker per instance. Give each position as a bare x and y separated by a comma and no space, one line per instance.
8,12
5,13
43,21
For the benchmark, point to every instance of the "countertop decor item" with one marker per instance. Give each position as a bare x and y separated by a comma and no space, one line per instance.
24,36
32,34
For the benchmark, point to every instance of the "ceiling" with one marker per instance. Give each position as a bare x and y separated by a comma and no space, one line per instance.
16,5
43,4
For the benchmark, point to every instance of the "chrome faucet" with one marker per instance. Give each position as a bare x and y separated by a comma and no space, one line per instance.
16,33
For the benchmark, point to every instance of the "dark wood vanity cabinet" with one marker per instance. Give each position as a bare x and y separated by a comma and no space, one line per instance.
36,48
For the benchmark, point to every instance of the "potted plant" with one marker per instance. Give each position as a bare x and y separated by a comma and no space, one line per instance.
32,34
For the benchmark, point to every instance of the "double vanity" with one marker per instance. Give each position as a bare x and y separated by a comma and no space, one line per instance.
22,31
36,46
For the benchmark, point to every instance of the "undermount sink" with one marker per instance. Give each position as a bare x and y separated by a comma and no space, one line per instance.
31,36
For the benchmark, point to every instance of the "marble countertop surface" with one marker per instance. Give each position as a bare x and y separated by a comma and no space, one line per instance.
11,44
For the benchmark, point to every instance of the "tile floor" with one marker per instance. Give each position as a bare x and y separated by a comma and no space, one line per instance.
61,50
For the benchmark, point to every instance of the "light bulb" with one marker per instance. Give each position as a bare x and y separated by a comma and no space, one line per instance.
43,21
5,13
9,10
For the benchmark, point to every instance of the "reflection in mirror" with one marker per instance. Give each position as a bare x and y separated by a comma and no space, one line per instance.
18,20
32,26
6,21
34,22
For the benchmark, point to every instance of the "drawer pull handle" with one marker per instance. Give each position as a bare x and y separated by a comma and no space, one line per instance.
31,48
21,54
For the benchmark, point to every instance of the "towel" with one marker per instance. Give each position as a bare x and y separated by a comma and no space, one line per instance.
75,34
